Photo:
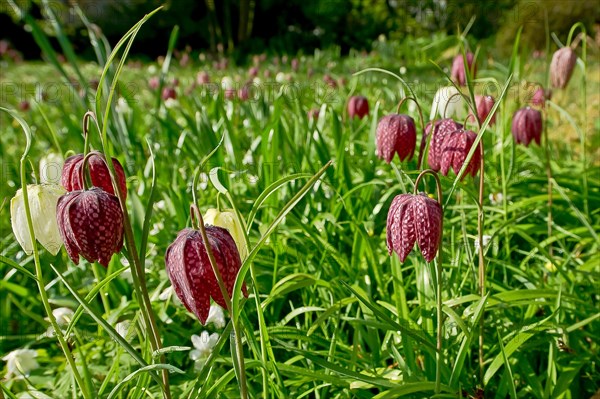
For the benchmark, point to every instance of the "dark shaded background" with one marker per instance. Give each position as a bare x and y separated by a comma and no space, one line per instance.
242,27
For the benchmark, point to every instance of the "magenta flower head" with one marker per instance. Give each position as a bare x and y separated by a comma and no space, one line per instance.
439,130
396,134
484,105
358,106
90,223
169,93
527,126
539,97
72,176
414,218
189,269
455,149
458,69
561,67
202,78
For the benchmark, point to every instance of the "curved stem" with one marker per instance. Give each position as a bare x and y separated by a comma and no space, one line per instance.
86,130
438,287
38,266
549,177
198,224
137,269
481,266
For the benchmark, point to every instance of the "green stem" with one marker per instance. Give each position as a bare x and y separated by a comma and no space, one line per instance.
36,258
438,284
137,270
199,225
40,281
481,266
583,138
264,337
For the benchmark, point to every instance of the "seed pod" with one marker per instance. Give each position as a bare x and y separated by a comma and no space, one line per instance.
455,149
458,69
414,218
439,132
358,106
42,200
396,134
191,273
561,67
91,225
527,126
71,174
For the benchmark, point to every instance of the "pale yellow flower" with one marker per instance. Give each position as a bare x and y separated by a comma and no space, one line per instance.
42,205
227,220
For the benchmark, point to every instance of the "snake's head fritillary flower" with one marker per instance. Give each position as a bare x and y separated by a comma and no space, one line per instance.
455,149
439,131
71,178
169,93
91,225
484,105
358,106
527,126
191,273
561,67
414,218
154,82
228,221
448,102
458,73
396,134
51,168
42,205
202,78
539,97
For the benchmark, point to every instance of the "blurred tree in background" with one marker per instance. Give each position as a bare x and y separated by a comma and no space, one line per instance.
287,26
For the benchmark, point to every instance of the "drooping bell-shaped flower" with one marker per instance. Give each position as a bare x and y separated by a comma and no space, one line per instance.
396,134
455,149
51,168
458,73
358,106
42,205
91,225
561,67
202,78
71,174
228,221
539,97
527,126
448,102
484,105
414,218
439,131
189,269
